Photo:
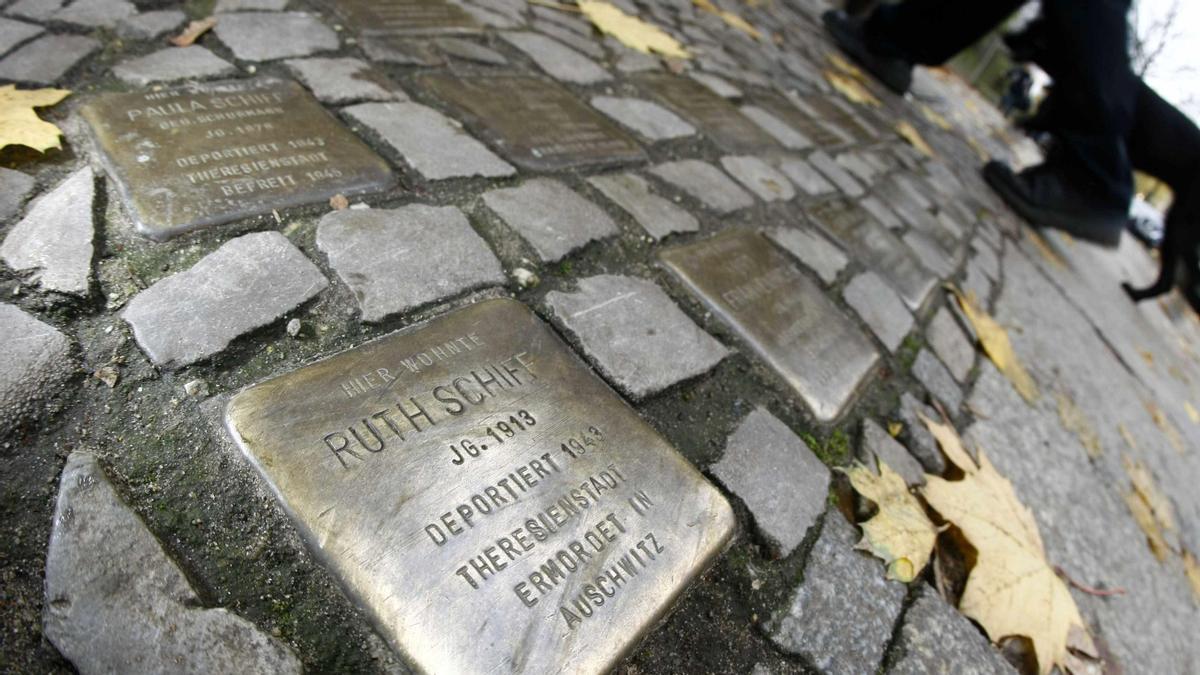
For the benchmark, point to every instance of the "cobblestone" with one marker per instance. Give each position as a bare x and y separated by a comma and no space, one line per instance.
54,239
759,177
705,183
15,188
149,25
431,144
419,254
268,36
877,444
880,308
646,118
342,80
777,476
471,51
779,130
246,283
716,84
634,334
558,60
935,638
172,63
951,344
550,216
37,10
920,442
805,176
47,58
37,361
836,174
815,251
937,379
117,603
658,216
95,13
13,33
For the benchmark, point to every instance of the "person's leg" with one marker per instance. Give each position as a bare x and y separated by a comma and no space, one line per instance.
930,32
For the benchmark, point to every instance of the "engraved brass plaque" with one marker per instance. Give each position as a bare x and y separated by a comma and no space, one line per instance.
399,18
876,247
485,497
780,313
535,123
205,154
717,118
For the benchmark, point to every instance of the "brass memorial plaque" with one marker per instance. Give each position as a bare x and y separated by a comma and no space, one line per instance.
205,154
488,500
717,118
535,123
876,247
780,313
400,18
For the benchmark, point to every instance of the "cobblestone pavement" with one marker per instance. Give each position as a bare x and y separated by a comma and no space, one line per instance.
530,157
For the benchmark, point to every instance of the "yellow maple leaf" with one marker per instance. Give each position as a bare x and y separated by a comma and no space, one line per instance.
997,346
20,125
894,428
851,88
909,133
729,18
900,533
1011,590
630,30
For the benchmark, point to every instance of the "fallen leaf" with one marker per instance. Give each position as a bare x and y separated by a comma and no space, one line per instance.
846,67
1076,421
339,202
1192,414
900,533
108,375
630,30
997,346
1128,437
1192,568
1051,256
1168,429
20,125
1150,507
1011,590
1147,356
851,88
729,18
894,428
935,118
909,133
193,31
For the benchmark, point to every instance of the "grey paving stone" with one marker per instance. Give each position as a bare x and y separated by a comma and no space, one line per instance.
777,128
645,117
877,444
249,5
550,216
930,372
266,36
149,25
841,616
95,13
658,216
470,51
836,174
932,256
815,251
36,363
14,189
46,59
776,474
13,33
54,239
116,603
492,18
716,85
987,260
385,49
936,638
631,61
634,333
172,63
706,183
759,177
882,212
571,39
951,344
344,80
805,176
976,282
857,167
919,441
419,254
246,283
38,10
558,60
880,307
431,143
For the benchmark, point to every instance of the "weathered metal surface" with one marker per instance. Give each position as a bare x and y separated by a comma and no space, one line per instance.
780,313
484,496
535,123
205,154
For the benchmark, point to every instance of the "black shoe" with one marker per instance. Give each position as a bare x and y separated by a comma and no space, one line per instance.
1046,197
847,32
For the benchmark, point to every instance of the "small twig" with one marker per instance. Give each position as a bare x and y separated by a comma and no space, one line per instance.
1090,590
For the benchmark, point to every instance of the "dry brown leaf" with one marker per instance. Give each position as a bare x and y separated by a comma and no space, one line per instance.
193,31
630,30
108,375
1076,421
339,202
729,18
1191,567
1011,590
20,125
909,133
997,346
851,88
900,533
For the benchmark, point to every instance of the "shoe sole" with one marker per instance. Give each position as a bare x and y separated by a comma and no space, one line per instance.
1107,234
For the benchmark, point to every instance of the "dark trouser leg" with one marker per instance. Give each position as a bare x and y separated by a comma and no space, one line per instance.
931,31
